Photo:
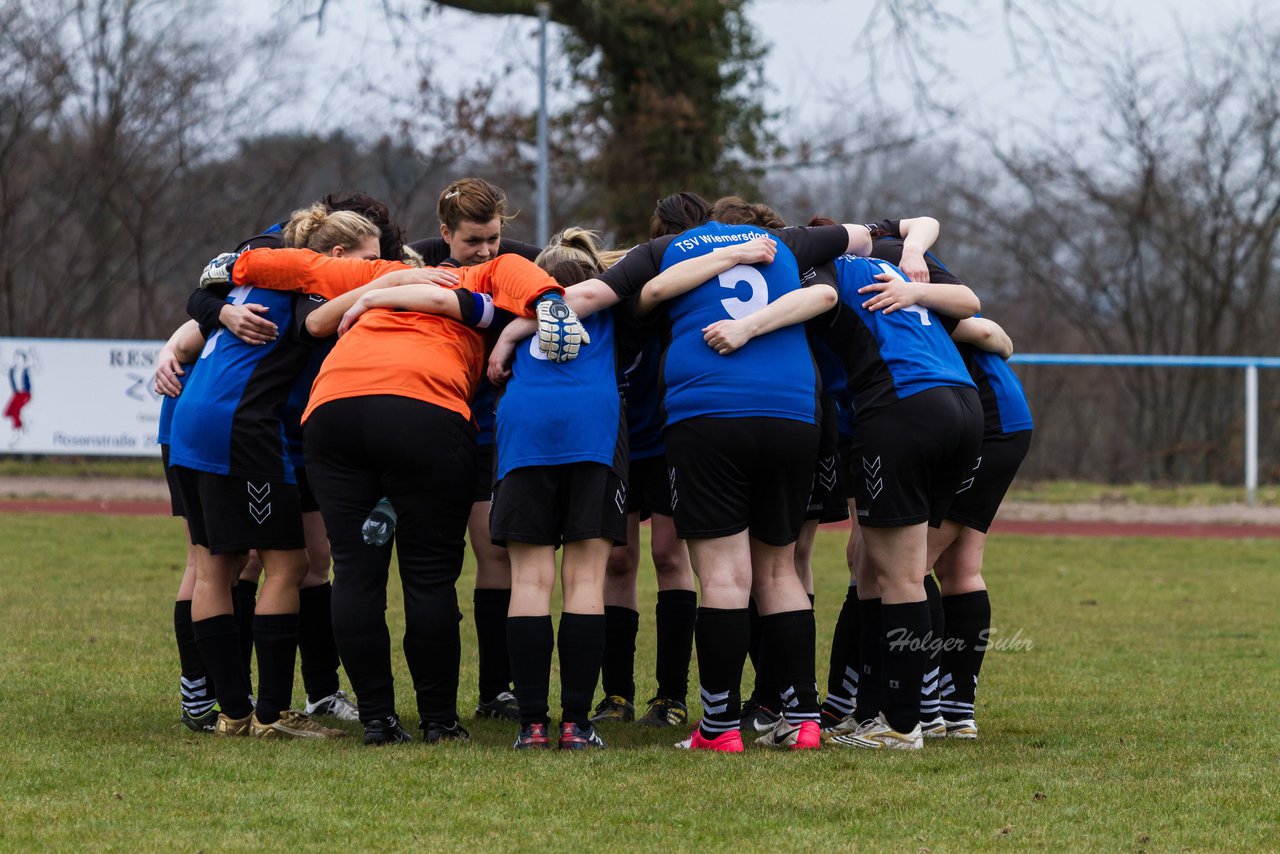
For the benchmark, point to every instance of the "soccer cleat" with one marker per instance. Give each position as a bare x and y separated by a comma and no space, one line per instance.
434,732
725,742
502,706
574,737
292,724
936,728
664,711
233,726
802,736
878,735
384,731
757,717
614,708
832,724
208,722
336,705
966,728
532,736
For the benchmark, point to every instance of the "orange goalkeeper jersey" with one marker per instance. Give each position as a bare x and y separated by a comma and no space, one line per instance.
403,353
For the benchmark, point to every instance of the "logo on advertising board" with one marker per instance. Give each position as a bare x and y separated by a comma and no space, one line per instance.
20,365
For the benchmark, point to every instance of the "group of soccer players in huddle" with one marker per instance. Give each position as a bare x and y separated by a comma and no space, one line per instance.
733,380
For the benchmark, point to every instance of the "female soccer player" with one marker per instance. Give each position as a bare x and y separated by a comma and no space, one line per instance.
472,213
559,479
961,539
238,486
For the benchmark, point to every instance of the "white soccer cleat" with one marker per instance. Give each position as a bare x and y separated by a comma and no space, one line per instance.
936,728
336,705
966,728
878,735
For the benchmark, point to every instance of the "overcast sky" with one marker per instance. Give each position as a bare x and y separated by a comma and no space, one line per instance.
817,60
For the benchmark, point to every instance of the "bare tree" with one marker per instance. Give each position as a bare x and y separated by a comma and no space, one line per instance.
120,103
1157,233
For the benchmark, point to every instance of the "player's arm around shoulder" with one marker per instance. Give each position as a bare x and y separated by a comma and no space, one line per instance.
681,278
985,335
726,336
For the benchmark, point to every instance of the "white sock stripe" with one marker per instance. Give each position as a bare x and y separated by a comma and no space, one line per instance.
957,708
797,718
840,704
198,709
929,690
194,683
946,679
851,688
932,674
708,697
947,690
720,726
852,673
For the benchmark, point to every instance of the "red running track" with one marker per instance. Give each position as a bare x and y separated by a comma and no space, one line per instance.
1026,527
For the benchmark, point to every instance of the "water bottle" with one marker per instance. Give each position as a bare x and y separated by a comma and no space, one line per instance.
380,525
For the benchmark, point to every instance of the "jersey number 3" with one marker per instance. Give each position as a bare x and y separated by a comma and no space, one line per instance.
736,306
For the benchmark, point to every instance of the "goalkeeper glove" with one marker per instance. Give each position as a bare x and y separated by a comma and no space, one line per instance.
218,271
560,333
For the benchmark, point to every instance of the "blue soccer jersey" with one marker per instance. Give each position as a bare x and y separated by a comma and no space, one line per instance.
228,418
1004,404
772,375
552,414
484,411
299,394
167,407
639,383
888,357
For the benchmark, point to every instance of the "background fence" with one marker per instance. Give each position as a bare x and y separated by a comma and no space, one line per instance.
1102,418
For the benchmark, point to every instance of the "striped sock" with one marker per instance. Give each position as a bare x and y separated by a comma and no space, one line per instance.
721,637
969,624
788,642
929,699
198,695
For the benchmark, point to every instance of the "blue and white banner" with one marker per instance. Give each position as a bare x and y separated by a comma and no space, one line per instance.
70,396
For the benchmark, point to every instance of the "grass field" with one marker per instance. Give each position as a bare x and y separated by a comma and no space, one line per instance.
1142,717
1047,492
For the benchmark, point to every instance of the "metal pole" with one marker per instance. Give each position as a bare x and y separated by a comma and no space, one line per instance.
544,232
1251,434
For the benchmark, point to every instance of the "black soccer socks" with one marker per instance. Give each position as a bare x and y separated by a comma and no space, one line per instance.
491,641
903,654
316,648
275,636
842,671
617,676
530,641
968,627
219,641
721,638
676,613
581,644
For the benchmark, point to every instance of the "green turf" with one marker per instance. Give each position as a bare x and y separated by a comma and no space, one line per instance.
1164,495
24,465
1140,718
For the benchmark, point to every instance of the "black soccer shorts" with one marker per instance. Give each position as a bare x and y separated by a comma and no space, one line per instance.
984,487
730,475
907,459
